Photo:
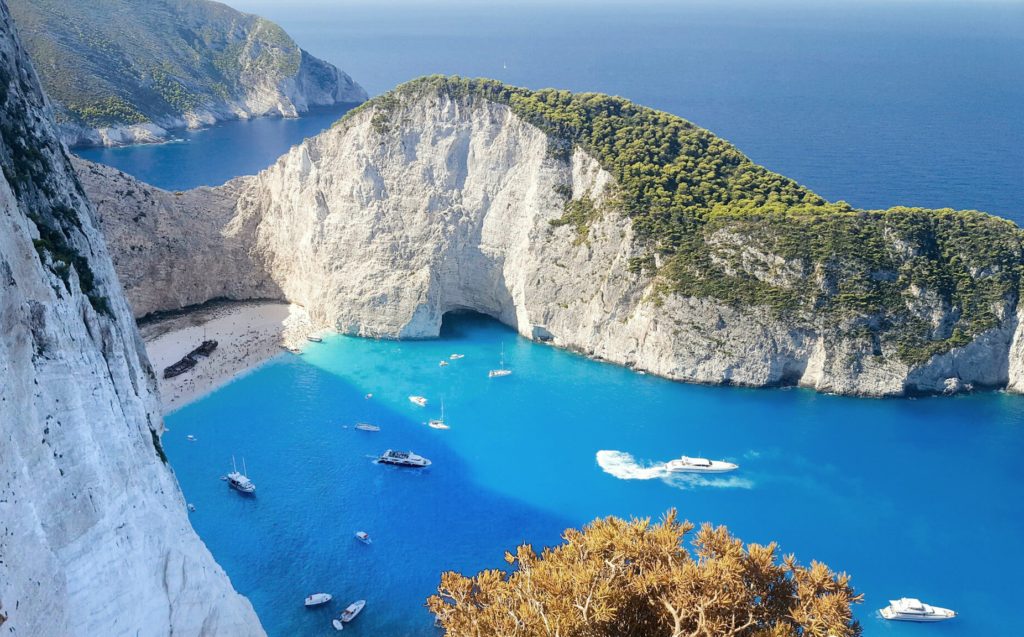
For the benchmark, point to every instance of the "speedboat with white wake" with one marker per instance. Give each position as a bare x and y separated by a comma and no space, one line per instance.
363,537
349,614
239,481
316,599
908,609
403,459
365,426
686,464
418,400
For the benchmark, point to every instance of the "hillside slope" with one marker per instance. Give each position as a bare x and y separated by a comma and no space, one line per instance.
611,229
96,539
123,71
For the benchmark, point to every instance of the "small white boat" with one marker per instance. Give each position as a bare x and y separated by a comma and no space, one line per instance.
368,396
190,438
685,464
352,610
316,599
363,537
314,339
501,371
443,364
239,481
191,507
456,357
439,423
403,459
418,400
363,426
294,350
908,609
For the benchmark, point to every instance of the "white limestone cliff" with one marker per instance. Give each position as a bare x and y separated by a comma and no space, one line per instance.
94,536
380,226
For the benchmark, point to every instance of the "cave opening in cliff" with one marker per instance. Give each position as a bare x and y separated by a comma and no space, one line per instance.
456,323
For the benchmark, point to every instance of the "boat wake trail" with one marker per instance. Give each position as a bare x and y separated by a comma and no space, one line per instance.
624,466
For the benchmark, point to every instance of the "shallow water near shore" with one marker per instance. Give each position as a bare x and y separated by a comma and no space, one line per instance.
912,497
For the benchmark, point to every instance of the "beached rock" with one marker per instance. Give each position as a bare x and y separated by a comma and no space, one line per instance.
130,71
431,200
94,535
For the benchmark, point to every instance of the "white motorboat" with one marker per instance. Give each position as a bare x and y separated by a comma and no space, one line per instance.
403,459
443,364
699,465
456,357
314,339
349,614
439,423
908,609
363,537
316,599
364,426
368,396
190,438
501,371
418,400
239,481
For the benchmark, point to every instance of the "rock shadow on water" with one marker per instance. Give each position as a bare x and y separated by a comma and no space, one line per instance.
317,484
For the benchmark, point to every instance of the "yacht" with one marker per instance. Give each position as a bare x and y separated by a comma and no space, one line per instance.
908,609
317,599
239,481
418,400
349,614
699,465
403,459
501,371
363,537
439,423
363,426
456,357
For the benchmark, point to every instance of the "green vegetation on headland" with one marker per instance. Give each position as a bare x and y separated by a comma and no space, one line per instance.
713,224
636,578
120,62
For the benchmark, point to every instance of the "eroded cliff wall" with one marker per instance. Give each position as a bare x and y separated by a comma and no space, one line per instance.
95,539
392,218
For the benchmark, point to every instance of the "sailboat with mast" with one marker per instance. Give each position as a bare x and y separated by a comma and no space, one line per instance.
439,423
239,481
501,371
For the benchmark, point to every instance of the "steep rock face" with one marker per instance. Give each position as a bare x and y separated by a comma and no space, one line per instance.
95,537
440,202
172,250
127,71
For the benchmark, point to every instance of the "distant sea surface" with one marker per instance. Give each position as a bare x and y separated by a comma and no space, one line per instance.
878,104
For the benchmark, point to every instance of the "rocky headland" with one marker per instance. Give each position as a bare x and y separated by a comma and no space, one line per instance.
593,224
130,71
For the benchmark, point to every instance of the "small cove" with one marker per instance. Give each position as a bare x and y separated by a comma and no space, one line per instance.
909,496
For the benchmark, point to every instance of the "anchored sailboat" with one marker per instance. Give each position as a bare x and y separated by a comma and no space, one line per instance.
501,371
439,423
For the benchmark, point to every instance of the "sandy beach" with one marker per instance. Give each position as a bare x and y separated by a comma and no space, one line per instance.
247,333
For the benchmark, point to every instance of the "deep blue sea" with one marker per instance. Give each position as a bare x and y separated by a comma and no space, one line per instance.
912,497
916,103
877,103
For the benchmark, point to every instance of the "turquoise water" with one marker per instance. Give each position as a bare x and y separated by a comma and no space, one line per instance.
912,497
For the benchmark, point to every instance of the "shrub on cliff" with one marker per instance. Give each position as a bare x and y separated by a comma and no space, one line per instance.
618,577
